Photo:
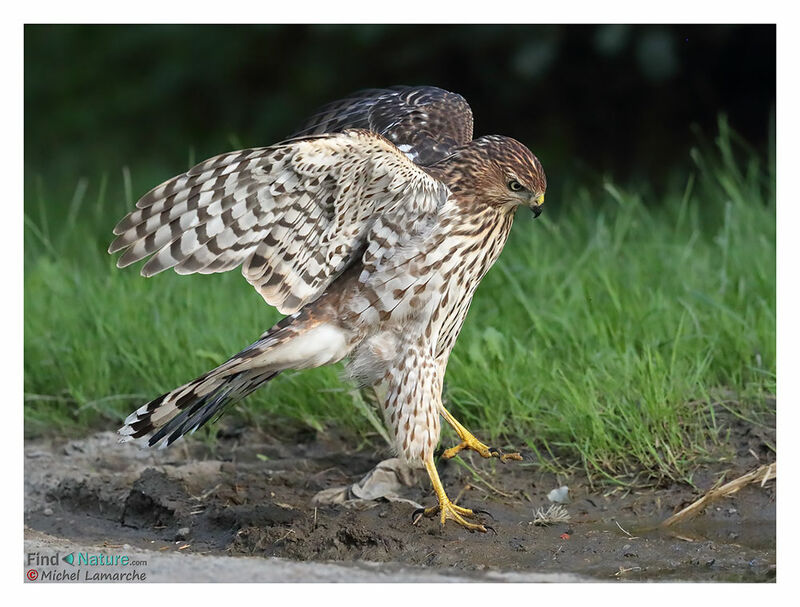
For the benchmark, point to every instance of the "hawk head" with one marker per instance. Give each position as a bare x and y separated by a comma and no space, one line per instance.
499,171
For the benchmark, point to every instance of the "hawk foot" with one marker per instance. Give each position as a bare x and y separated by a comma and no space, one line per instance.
472,443
448,510
468,441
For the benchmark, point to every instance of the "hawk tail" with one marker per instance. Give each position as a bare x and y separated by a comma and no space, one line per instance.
296,342
165,419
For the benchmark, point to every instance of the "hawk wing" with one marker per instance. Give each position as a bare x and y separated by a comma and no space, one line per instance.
295,214
425,122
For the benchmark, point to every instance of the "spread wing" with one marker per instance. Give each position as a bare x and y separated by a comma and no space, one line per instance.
295,214
425,122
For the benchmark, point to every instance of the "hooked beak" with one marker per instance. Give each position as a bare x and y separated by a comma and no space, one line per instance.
536,205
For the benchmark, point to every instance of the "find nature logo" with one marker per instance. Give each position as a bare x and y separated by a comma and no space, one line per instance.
84,566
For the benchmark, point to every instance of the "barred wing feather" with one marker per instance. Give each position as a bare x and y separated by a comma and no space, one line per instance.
295,215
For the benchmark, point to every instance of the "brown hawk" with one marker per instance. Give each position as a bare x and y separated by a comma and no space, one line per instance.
370,228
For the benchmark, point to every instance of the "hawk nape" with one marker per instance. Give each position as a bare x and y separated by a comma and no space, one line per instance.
371,229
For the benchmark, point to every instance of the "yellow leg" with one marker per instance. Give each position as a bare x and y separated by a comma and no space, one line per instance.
446,508
468,441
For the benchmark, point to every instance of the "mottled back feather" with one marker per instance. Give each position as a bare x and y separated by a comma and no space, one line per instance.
425,122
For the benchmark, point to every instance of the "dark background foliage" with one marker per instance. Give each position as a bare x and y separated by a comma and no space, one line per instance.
611,100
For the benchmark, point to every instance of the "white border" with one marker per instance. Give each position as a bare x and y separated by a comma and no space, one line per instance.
247,11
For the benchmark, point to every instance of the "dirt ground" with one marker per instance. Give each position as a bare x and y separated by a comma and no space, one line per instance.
250,494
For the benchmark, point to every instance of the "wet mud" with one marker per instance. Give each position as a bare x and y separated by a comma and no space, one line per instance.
250,495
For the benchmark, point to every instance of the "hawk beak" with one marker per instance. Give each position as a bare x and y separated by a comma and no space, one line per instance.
536,207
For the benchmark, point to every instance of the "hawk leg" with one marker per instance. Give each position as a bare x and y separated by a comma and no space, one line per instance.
468,441
447,509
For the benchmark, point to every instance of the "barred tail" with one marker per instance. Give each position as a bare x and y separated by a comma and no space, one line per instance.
182,410
168,417
296,342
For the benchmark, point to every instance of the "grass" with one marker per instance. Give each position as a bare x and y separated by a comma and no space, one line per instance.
612,333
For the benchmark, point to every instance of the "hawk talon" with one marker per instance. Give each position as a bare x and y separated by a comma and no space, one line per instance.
499,454
486,512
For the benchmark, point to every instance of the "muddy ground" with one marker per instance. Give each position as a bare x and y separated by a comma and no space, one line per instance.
249,494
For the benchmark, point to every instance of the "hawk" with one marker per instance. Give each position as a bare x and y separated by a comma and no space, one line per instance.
370,228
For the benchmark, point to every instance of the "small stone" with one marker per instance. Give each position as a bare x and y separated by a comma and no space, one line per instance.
560,495
47,511
182,534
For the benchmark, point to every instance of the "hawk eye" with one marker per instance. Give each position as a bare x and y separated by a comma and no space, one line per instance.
515,186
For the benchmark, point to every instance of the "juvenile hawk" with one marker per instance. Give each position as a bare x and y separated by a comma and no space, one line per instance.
371,229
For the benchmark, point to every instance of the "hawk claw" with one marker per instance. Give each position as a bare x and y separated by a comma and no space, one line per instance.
486,512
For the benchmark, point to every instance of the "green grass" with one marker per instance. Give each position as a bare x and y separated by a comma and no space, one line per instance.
612,333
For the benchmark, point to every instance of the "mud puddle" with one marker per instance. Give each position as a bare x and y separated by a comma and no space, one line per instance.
250,495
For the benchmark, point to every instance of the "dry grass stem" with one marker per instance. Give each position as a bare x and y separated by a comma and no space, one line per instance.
760,475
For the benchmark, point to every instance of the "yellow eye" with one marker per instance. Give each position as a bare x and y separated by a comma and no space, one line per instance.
515,186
